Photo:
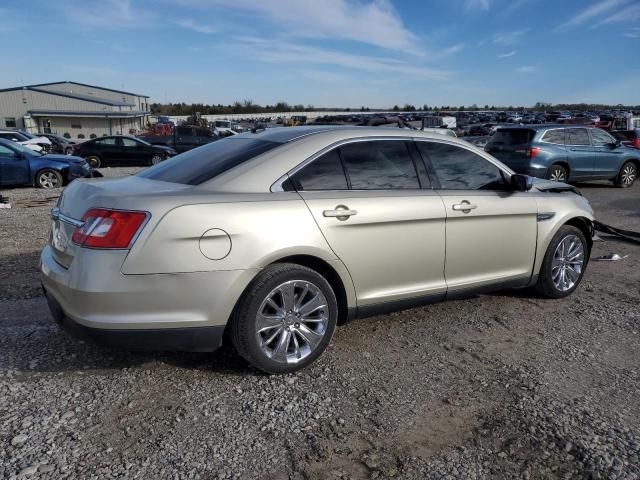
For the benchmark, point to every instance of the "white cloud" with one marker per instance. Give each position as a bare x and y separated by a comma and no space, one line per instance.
112,14
275,51
633,33
628,14
476,4
375,23
190,24
507,55
526,69
590,13
508,38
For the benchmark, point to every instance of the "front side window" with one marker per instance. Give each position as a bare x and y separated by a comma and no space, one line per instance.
578,136
10,122
197,166
379,165
460,169
600,138
6,151
324,173
554,136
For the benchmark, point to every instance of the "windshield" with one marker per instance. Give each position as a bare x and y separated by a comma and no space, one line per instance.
201,164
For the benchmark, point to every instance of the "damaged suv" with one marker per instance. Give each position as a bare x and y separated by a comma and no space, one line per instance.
269,240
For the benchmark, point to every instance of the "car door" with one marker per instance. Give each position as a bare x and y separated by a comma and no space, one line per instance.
14,167
491,231
609,154
368,199
134,152
581,156
107,149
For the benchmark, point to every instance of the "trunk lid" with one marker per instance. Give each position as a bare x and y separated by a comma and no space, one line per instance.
511,145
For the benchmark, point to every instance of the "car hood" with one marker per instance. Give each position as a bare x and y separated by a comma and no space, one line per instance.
37,140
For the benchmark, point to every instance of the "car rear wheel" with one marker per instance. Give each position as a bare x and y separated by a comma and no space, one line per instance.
285,319
68,150
557,173
156,159
49,179
94,161
564,263
627,176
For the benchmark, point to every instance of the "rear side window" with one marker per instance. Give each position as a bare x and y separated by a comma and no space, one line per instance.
578,136
324,173
461,169
512,136
379,165
201,164
106,141
554,136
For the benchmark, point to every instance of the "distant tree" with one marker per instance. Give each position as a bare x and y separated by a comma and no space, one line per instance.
461,107
396,108
486,107
409,108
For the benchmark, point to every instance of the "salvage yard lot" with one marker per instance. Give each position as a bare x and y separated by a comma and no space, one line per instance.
505,385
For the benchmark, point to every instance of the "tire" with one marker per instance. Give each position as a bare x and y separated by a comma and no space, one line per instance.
560,275
284,343
627,175
94,161
156,159
68,151
49,179
557,173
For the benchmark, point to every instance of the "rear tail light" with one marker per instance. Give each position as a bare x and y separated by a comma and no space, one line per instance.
533,152
104,228
636,142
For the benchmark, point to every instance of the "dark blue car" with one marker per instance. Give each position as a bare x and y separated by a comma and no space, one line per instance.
565,153
22,166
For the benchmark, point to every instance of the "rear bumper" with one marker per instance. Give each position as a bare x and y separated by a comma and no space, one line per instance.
194,339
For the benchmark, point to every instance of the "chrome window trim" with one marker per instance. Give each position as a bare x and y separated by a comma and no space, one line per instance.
277,185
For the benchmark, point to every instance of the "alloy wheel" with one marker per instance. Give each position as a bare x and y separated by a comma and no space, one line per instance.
48,180
629,173
557,175
568,263
292,321
156,159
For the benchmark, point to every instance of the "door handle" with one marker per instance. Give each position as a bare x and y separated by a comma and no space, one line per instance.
341,212
464,207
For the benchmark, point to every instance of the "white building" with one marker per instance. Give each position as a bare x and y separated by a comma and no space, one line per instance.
74,110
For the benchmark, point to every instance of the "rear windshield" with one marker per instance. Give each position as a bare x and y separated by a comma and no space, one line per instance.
201,164
513,136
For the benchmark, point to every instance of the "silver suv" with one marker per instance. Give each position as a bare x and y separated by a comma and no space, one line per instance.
274,238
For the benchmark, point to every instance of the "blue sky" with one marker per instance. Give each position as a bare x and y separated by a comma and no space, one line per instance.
332,52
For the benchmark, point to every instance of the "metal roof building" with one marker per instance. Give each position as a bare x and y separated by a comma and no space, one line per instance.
75,110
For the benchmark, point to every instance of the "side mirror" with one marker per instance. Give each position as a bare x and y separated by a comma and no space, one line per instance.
615,144
521,183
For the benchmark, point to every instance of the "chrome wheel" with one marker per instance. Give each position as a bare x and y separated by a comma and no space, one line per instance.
558,175
48,180
628,174
156,159
292,321
568,263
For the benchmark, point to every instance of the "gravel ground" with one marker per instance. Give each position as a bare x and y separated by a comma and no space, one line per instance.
497,386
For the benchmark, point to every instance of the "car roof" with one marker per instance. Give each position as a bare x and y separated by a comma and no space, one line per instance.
544,127
291,134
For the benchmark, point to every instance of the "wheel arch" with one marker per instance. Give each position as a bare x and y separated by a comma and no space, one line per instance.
62,171
562,163
586,227
331,275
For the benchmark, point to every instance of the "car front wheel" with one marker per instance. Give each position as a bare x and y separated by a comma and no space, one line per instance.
156,159
564,263
49,179
627,176
285,319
